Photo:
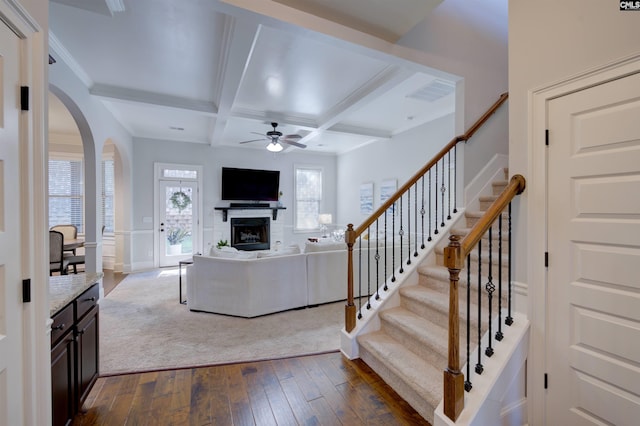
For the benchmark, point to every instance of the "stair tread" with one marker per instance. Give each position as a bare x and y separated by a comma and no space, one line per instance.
422,377
479,213
423,330
494,236
441,273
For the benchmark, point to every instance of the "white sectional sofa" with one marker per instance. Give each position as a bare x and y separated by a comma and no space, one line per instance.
250,284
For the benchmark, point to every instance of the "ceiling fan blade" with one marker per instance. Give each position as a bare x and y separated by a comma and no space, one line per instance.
292,137
299,145
256,133
255,140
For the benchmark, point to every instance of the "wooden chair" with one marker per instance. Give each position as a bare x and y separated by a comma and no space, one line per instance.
74,261
70,232
57,261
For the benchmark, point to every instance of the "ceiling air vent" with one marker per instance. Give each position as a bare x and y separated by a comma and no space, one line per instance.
433,91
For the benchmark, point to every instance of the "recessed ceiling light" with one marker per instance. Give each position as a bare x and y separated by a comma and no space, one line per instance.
176,128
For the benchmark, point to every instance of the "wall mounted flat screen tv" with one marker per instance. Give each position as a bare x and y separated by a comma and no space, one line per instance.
250,184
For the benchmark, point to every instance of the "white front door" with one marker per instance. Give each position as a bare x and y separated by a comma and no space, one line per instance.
11,320
178,216
593,308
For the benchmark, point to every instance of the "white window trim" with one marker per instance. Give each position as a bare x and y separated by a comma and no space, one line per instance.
297,230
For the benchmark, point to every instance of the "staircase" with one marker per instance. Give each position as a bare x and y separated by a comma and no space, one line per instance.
410,350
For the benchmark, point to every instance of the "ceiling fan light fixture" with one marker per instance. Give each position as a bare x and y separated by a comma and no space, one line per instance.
274,147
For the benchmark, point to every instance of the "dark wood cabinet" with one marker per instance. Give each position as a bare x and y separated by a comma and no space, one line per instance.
74,355
87,354
63,367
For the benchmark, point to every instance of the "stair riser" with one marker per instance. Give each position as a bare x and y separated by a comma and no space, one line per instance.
440,314
440,281
423,407
432,353
497,188
495,274
436,355
472,220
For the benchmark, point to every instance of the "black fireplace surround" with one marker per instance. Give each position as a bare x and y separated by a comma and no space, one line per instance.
250,233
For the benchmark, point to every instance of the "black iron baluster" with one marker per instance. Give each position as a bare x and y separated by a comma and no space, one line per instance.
449,187
509,319
467,383
479,367
443,190
436,199
490,289
422,212
499,334
429,239
385,251
401,233
393,243
377,258
408,227
455,178
360,278
369,268
415,218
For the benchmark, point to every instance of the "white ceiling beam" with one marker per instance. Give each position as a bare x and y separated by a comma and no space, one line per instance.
239,42
122,94
384,81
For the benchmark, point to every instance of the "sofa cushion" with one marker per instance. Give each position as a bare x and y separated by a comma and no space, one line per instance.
292,249
232,253
328,245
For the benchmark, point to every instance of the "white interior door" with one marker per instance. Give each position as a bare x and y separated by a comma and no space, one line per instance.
11,322
178,216
593,320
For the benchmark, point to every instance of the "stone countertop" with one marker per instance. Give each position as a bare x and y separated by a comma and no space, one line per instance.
64,288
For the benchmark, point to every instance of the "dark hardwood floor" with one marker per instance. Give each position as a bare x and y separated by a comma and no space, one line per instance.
323,389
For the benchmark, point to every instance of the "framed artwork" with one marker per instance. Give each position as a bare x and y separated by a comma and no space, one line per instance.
366,198
387,189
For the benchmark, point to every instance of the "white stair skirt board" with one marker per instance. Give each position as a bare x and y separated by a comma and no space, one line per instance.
483,405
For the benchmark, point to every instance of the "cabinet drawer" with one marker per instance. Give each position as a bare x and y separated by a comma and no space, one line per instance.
62,323
86,301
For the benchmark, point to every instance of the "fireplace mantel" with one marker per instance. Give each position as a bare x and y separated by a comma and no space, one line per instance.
225,210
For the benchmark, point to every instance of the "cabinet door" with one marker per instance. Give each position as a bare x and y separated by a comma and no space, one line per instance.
87,344
63,381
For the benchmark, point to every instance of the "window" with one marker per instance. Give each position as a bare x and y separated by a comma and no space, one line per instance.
107,196
308,187
65,193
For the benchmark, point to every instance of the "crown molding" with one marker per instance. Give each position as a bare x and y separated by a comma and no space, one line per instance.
62,53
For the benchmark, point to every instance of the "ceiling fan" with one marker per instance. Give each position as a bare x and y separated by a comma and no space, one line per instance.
276,139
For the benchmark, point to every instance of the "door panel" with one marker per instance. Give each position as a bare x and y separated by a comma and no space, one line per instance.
178,216
11,340
593,336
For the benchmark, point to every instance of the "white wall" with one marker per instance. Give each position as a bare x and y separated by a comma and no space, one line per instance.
549,42
147,152
578,35
398,158
468,39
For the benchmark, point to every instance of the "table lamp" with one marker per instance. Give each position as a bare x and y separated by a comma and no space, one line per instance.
324,219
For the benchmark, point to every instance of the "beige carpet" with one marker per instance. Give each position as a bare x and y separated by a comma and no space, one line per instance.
143,327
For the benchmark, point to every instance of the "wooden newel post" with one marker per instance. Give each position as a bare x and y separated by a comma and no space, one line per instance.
350,307
453,377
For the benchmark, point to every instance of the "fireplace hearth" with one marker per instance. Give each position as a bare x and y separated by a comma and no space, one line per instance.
250,233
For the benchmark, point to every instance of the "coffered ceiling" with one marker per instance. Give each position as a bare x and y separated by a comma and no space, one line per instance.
218,72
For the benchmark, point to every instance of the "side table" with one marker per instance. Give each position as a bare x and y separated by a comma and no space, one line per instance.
180,263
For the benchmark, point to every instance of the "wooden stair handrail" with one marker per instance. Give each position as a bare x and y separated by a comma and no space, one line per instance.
404,188
454,255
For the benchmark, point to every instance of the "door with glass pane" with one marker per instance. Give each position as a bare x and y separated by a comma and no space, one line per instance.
178,220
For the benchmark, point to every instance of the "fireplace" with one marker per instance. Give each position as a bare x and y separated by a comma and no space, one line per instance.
250,233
